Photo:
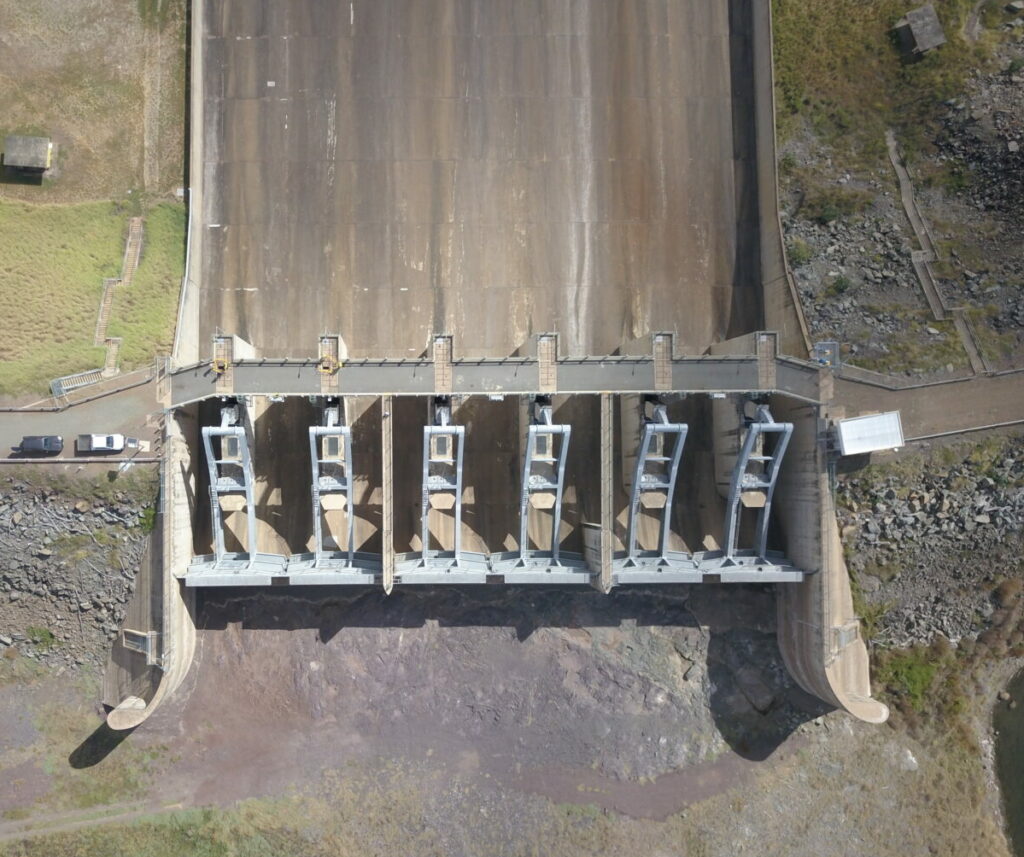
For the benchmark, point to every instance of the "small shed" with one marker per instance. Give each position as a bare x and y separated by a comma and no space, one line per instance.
871,433
920,31
27,153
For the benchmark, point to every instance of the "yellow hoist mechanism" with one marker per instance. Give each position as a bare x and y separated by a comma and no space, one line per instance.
328,365
221,365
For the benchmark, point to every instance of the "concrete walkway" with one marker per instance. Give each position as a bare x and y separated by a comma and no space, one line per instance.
965,404
131,412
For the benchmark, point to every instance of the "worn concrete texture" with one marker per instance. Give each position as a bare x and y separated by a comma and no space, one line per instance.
391,169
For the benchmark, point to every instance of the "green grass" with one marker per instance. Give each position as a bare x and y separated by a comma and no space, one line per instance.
143,313
139,485
871,614
799,252
908,674
111,770
154,13
916,350
147,519
51,281
838,286
42,638
52,266
824,203
997,347
837,68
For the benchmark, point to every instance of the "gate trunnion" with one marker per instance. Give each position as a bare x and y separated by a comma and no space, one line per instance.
751,476
441,493
229,465
653,488
541,490
332,488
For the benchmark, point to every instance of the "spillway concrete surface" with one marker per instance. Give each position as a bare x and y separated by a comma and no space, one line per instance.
393,169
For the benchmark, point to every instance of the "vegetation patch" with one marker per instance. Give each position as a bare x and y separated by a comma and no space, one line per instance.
155,13
53,263
91,765
998,347
907,676
147,519
916,349
870,613
42,638
838,69
138,485
143,313
825,203
799,252
106,84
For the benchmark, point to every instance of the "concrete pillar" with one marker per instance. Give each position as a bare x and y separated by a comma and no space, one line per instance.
767,348
443,365
330,363
663,352
223,359
547,358
604,582
387,529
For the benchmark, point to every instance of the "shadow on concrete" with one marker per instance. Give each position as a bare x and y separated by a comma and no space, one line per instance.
848,464
100,744
746,310
754,702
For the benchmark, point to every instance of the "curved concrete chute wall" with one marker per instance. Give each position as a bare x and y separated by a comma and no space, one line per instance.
818,631
782,309
179,629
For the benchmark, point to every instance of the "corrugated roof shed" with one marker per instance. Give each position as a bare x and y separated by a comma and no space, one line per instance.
871,433
32,153
924,29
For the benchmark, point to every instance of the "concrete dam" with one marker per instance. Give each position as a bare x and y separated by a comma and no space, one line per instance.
493,293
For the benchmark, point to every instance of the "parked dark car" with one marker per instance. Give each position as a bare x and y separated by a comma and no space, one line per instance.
36,444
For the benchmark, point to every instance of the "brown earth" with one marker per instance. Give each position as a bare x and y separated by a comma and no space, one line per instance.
107,87
464,723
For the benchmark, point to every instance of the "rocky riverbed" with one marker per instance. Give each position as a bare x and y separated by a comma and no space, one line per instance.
68,568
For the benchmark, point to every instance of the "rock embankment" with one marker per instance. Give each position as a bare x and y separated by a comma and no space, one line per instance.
67,570
927,546
857,284
850,244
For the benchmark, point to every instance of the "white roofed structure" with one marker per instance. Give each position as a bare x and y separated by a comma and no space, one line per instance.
870,433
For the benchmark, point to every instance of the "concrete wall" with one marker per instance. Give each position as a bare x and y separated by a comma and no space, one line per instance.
127,673
179,630
782,310
186,333
817,628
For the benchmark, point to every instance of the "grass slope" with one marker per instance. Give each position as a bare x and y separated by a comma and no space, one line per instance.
837,67
143,314
52,264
